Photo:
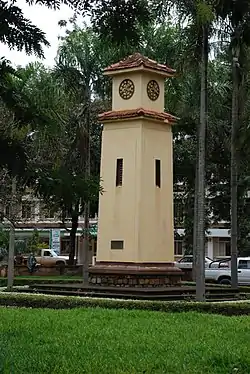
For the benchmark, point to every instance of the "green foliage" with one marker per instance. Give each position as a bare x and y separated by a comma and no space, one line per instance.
18,32
4,243
20,246
33,242
121,21
67,180
64,190
4,238
205,14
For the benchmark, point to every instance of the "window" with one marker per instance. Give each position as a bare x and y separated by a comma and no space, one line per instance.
119,171
116,244
178,250
49,213
47,254
228,248
186,259
224,247
26,210
7,210
178,211
244,264
158,173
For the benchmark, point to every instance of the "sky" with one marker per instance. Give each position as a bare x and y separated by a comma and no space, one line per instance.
47,20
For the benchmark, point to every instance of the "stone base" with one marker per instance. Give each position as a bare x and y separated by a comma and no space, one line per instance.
129,274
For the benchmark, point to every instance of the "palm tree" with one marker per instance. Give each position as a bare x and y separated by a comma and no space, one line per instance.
234,170
200,223
78,66
199,16
237,12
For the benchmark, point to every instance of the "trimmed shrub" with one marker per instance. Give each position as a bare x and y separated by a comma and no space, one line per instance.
68,302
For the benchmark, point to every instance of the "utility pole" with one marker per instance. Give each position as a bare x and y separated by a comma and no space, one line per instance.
10,281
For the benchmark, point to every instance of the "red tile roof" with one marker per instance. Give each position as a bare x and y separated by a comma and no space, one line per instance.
136,60
139,112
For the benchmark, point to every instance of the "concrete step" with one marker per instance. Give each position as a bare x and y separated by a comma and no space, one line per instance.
183,290
130,295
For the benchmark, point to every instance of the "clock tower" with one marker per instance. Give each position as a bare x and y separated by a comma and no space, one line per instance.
135,245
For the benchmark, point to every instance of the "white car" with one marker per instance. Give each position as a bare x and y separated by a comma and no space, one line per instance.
186,262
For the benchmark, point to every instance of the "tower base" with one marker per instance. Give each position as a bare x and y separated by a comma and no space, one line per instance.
131,274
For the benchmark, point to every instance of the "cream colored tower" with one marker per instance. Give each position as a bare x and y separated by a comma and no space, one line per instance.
135,222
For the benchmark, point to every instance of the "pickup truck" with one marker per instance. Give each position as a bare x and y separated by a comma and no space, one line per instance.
48,257
222,274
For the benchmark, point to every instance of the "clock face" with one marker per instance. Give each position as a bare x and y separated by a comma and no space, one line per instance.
126,89
153,90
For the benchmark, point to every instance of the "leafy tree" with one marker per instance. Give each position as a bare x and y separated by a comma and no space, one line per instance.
238,14
4,243
55,161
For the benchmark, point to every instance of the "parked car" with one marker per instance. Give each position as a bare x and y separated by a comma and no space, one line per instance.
222,274
186,262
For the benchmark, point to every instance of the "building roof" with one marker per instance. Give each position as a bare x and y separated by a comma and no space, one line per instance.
139,112
138,60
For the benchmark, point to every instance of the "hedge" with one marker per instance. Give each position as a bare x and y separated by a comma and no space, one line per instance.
68,302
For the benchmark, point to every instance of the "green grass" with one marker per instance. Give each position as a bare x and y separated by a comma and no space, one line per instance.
99,341
26,280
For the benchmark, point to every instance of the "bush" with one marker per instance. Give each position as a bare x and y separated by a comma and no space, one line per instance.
69,302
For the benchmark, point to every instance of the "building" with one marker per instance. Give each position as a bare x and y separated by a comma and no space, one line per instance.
217,245
32,215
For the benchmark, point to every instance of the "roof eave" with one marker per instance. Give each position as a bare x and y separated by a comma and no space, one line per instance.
139,117
170,121
117,71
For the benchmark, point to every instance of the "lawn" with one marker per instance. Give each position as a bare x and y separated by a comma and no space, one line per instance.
118,341
26,280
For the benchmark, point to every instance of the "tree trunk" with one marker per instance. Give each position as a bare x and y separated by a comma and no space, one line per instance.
200,274
85,270
194,270
234,172
11,268
73,231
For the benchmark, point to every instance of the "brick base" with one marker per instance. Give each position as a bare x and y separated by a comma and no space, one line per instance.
134,275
